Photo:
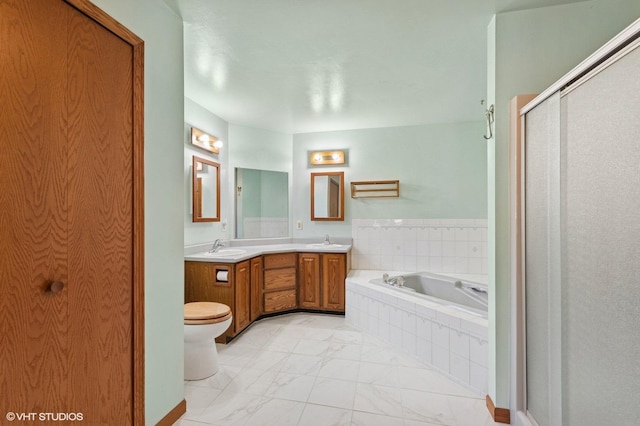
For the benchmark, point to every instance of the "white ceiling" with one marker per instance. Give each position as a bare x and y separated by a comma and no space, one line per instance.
299,66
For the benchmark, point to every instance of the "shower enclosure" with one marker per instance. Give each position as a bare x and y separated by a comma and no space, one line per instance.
577,285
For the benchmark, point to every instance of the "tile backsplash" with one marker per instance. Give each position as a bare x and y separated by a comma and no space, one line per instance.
435,245
265,227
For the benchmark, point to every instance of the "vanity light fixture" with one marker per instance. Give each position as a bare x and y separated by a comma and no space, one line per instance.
327,158
205,141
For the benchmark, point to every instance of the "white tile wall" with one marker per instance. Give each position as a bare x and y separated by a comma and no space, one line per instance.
455,345
435,245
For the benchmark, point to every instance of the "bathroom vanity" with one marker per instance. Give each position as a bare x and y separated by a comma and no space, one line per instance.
265,280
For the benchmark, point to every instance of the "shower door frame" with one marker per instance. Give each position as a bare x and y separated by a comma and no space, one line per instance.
519,107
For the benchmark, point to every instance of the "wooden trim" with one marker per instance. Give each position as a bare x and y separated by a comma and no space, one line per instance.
137,44
326,158
209,146
138,234
173,415
499,415
516,215
341,196
101,17
197,196
376,189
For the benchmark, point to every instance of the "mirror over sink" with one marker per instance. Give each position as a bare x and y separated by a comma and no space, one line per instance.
327,196
205,190
262,203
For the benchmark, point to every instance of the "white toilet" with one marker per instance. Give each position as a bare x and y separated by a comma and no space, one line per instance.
203,322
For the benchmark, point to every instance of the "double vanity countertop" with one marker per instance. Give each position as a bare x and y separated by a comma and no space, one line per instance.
235,251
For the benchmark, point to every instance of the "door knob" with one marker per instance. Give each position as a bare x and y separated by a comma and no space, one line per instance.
55,287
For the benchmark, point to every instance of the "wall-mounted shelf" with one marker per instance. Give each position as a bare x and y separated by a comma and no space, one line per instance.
375,189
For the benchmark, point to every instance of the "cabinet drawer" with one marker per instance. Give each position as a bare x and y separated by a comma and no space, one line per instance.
279,278
279,300
280,260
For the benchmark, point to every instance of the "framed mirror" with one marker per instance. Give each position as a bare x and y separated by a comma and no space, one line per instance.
327,196
262,203
205,190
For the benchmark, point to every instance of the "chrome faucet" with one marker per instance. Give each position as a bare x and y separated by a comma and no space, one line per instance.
217,245
326,239
394,281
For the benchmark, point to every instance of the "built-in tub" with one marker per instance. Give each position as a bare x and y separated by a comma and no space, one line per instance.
461,294
421,319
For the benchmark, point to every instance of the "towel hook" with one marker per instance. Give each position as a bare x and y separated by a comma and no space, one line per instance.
490,120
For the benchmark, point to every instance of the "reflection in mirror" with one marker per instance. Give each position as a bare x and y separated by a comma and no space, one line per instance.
205,190
262,203
327,196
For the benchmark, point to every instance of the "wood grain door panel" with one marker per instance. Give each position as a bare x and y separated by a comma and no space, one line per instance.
33,214
334,271
70,127
100,225
309,280
242,314
256,288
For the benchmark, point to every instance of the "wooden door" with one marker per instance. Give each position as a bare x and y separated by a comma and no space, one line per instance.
309,280
334,198
242,312
334,271
70,217
256,288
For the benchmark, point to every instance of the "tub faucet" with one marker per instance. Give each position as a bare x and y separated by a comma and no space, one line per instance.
326,239
217,245
394,281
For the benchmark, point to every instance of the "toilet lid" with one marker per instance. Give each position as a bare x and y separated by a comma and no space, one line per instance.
205,310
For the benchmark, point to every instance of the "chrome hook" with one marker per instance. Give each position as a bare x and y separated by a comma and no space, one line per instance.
490,120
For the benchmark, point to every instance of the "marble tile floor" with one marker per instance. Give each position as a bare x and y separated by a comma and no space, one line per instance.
313,369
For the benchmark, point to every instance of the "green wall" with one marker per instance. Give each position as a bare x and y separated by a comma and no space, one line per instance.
441,167
251,192
259,149
274,203
527,52
161,30
244,147
197,116
261,194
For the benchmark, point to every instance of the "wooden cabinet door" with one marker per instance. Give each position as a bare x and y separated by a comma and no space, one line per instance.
242,311
334,271
70,218
309,280
256,288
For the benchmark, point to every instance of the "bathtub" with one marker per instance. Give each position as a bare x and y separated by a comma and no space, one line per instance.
438,320
464,295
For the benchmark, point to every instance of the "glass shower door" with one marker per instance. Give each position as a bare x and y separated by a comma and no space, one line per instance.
542,260
582,249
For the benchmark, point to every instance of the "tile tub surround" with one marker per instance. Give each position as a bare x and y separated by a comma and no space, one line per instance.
448,340
314,369
434,245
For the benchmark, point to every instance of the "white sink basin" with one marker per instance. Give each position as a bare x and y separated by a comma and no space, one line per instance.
226,253
323,245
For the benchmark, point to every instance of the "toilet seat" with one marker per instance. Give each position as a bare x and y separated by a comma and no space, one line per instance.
196,313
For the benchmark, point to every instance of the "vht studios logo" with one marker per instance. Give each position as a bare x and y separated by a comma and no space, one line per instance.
44,417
